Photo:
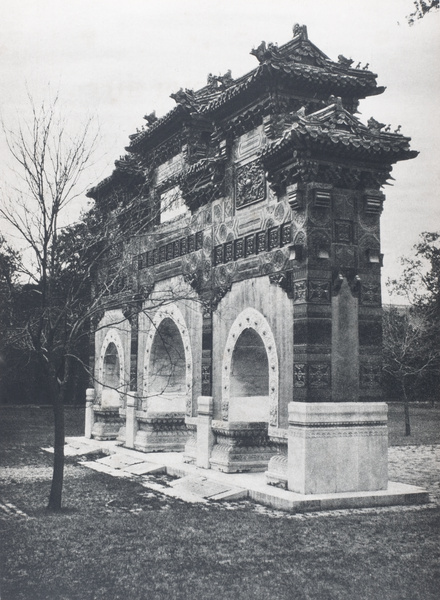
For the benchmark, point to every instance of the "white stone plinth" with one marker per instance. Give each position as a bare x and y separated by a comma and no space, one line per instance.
130,420
205,435
337,447
89,421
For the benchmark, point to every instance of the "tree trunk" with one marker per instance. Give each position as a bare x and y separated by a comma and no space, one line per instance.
406,410
56,490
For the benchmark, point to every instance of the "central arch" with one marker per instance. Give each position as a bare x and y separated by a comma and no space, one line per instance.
250,381
168,364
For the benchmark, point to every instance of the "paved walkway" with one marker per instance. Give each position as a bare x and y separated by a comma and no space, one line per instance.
200,485
412,465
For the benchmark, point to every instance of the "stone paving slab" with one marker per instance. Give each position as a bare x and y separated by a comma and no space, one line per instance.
81,446
119,461
75,451
96,466
145,468
230,495
184,495
207,488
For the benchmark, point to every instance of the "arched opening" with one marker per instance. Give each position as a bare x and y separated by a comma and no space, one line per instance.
167,370
249,383
111,376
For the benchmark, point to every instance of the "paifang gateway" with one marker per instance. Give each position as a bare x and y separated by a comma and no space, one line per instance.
242,326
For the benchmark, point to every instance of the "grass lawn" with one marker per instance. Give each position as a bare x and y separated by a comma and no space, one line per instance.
117,540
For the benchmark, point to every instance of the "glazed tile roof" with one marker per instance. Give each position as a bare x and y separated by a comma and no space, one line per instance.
298,64
298,61
334,128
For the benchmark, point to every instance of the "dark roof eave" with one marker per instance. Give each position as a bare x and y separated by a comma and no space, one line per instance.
106,185
169,121
326,143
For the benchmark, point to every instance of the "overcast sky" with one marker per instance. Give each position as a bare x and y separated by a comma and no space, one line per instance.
120,60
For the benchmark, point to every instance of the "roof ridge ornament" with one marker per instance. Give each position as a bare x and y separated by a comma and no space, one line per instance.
184,97
374,126
300,31
266,53
220,81
345,62
151,118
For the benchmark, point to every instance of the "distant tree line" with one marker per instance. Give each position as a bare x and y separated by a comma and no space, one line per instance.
412,331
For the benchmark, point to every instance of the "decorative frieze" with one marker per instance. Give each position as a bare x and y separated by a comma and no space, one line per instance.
300,375
300,291
239,249
250,245
167,252
241,447
228,253
250,184
345,256
319,291
255,243
206,379
370,294
165,432
344,232
319,375
371,375
286,234
273,238
261,238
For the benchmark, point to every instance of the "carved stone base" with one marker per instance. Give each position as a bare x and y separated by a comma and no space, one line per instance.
190,453
241,447
161,433
337,447
276,473
107,424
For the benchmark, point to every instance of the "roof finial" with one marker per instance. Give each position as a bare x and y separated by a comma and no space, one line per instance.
374,126
345,62
300,30
151,118
266,53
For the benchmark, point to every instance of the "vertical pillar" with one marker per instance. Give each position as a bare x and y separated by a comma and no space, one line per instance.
337,442
205,436
207,351
89,417
345,345
311,291
130,423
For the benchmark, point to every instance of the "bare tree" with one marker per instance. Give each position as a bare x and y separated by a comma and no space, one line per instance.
421,9
410,349
412,332
50,163
72,272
